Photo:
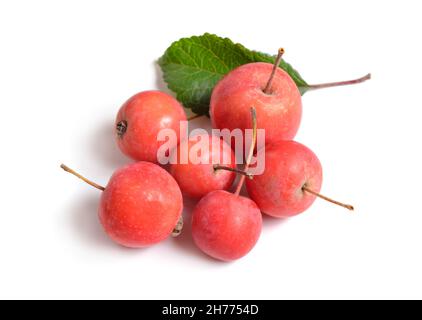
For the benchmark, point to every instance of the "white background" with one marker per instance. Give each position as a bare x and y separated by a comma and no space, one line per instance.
67,66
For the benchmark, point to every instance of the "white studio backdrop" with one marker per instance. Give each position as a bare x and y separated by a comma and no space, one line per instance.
67,66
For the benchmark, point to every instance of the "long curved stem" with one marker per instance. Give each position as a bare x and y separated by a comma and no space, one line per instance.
340,83
91,183
347,206
251,150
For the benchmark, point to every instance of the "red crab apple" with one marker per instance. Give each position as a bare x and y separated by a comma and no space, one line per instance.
227,226
291,181
141,205
140,120
269,89
196,171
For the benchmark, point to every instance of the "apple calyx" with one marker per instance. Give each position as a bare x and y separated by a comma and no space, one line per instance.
121,128
178,228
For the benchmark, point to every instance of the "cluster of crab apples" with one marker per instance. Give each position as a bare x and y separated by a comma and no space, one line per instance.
143,202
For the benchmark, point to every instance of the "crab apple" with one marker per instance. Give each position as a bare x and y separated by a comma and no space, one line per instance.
269,89
198,174
140,120
140,206
289,166
226,226
291,181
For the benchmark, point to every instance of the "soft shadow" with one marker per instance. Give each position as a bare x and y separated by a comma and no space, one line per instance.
272,223
84,220
104,147
159,81
202,122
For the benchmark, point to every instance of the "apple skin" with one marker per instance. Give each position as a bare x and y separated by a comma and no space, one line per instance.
197,180
226,226
141,205
278,112
146,113
289,166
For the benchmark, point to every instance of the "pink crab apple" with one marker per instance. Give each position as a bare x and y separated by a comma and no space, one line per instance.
141,118
140,206
269,89
197,175
291,181
227,226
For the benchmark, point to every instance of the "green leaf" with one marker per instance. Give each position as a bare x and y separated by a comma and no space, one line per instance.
193,66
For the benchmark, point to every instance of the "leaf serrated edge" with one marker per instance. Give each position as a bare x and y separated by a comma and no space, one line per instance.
249,55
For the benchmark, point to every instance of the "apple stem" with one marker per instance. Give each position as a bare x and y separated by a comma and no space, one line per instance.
251,150
67,169
276,64
178,228
347,206
247,174
340,83
195,116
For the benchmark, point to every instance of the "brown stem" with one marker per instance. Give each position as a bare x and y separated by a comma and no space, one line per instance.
338,84
251,150
195,116
347,206
247,174
67,169
276,64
